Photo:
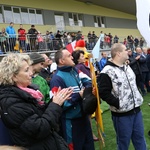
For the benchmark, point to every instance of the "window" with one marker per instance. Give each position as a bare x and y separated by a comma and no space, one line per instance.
75,19
20,15
16,15
39,17
32,16
99,21
24,16
1,15
8,15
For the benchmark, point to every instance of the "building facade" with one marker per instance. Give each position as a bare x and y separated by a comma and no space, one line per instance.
66,15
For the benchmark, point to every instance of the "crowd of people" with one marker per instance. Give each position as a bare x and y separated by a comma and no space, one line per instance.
41,100
42,109
33,40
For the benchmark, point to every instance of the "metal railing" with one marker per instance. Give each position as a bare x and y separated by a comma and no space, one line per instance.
40,42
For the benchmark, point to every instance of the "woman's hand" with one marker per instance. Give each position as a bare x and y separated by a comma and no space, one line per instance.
61,95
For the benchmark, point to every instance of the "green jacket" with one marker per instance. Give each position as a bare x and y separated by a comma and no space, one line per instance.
43,87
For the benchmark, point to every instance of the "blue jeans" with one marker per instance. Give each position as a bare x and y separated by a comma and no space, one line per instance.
129,128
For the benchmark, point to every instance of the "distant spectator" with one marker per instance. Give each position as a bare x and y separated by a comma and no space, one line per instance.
58,38
69,38
73,36
89,36
141,42
136,42
79,35
22,38
12,36
116,39
52,40
40,40
32,37
4,40
102,40
94,37
110,39
125,42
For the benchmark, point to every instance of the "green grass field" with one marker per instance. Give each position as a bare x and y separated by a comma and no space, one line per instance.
110,137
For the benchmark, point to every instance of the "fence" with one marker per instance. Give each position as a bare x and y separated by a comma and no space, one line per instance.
39,43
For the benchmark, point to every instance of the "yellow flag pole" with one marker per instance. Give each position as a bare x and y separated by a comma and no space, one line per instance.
98,114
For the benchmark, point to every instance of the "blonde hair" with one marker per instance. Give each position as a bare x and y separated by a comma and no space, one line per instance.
10,65
12,148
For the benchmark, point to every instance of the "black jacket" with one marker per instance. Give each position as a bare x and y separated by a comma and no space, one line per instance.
134,64
29,124
46,75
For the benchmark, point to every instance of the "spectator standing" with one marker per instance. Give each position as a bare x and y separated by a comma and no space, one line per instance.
73,36
79,60
102,40
12,36
94,39
145,72
116,39
134,64
4,40
58,38
148,60
40,40
37,64
22,38
47,39
32,37
78,35
52,41
125,42
69,38
141,42
136,42
120,91
31,123
130,42
103,60
90,40
76,128
110,39
45,72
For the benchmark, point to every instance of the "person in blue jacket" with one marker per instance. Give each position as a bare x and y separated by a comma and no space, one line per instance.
12,36
103,60
75,125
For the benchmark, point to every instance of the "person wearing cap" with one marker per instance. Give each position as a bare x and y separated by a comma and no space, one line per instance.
37,64
32,37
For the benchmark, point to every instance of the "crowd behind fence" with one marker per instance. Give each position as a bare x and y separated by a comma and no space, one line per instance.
42,42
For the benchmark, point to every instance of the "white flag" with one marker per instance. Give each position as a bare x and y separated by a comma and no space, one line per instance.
143,18
96,49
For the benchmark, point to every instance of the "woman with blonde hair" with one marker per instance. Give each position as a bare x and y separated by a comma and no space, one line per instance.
32,123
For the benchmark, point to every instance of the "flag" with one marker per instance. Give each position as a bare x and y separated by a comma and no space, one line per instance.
98,113
71,47
143,18
96,49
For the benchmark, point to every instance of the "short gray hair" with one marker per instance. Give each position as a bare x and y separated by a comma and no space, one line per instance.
117,47
10,65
